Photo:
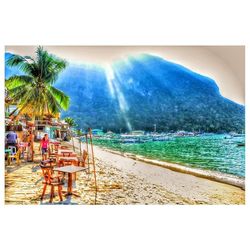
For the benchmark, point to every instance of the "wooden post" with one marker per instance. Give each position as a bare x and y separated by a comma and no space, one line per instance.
32,147
72,138
87,147
30,155
80,147
93,162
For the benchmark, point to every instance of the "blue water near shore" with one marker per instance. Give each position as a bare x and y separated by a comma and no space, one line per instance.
213,152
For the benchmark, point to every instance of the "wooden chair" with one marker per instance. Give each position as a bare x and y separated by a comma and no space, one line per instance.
52,154
66,162
48,163
14,155
56,147
82,160
64,147
66,154
52,181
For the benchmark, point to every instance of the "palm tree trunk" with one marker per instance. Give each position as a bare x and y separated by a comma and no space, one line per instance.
12,113
19,112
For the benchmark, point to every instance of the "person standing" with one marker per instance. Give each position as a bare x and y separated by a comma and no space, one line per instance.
44,146
30,140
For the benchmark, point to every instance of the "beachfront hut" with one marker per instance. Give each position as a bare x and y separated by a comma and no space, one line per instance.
52,127
137,132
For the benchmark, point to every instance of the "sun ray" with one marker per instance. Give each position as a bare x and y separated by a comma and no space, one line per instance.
115,92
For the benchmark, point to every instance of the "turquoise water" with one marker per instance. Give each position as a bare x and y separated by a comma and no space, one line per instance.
212,152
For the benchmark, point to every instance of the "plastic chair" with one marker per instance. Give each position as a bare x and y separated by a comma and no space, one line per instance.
13,149
14,155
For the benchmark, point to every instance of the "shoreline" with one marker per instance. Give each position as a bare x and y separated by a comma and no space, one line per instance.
196,189
202,173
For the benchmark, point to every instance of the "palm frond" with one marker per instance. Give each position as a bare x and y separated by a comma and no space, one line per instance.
15,81
24,63
50,66
70,121
59,96
15,60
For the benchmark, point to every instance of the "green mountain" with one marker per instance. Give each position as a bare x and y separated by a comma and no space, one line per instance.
138,92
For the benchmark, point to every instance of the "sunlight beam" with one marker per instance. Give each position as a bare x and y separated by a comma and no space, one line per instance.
115,92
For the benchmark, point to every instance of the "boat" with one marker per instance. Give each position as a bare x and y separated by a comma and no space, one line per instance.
161,138
228,136
129,140
233,134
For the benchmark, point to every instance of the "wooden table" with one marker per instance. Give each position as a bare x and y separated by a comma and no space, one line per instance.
65,151
69,158
56,144
67,155
66,158
70,170
61,151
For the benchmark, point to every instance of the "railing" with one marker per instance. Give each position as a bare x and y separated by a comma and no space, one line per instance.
14,127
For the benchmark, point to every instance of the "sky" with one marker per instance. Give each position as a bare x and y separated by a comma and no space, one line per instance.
224,64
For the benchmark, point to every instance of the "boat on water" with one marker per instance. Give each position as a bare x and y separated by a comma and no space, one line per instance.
233,134
161,138
233,138
128,138
183,133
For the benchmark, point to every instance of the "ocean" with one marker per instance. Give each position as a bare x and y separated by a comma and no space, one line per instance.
212,152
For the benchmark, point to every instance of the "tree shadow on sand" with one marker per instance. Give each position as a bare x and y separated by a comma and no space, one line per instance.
13,168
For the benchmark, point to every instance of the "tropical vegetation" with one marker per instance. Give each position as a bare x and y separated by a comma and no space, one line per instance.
70,121
33,89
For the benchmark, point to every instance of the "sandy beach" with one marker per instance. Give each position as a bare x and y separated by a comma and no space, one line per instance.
191,189
121,180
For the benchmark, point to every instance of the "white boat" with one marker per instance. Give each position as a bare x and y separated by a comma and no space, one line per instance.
129,140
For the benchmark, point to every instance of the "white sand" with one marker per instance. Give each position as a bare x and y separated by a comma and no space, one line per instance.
185,185
196,189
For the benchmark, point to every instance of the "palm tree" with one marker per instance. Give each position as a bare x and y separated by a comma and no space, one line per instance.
70,121
34,91
71,124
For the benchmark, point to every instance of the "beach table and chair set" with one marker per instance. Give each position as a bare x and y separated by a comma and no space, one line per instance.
62,162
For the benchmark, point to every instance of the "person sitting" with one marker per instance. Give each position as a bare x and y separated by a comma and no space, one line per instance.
12,138
44,146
